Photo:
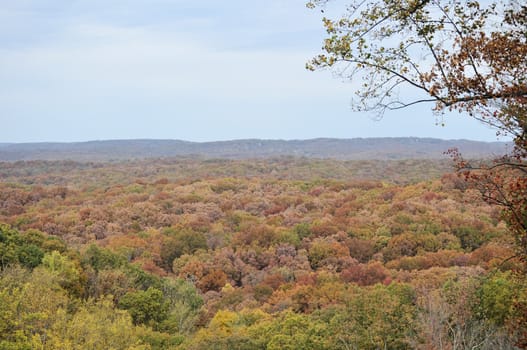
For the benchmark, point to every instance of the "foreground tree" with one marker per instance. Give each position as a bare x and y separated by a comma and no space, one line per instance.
459,54
462,55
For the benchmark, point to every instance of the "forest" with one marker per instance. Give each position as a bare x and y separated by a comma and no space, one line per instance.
142,249
279,253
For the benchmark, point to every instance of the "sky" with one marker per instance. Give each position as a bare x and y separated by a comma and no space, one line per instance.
79,70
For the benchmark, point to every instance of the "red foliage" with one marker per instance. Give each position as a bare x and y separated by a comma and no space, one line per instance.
366,274
213,280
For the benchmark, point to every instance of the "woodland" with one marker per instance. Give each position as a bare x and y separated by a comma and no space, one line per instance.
280,253
295,253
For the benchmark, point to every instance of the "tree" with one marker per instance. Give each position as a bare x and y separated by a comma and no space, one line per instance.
30,304
184,305
362,324
178,243
24,249
69,275
145,307
462,55
95,325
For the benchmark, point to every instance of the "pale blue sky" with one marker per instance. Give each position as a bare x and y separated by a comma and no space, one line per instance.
205,70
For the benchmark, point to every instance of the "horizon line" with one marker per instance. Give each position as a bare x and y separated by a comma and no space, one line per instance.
250,139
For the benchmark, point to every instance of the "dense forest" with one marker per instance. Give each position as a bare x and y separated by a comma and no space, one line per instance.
283,253
251,244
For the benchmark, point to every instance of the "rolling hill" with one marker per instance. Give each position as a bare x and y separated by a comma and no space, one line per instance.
343,149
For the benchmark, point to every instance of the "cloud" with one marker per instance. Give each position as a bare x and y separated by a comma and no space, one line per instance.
166,62
161,47
172,69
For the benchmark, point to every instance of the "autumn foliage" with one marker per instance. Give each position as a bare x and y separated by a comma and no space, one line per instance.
253,262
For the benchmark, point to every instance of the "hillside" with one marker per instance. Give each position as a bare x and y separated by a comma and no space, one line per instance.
342,149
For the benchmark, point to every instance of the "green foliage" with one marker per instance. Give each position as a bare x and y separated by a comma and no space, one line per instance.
319,252
303,230
30,304
29,255
495,297
160,341
67,272
180,242
363,324
294,331
95,325
104,262
184,305
18,248
100,259
40,309
146,307
470,237
262,292
142,279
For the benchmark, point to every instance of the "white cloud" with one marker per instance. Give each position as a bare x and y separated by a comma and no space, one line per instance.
141,57
173,69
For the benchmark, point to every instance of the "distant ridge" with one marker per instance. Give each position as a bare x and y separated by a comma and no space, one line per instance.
386,148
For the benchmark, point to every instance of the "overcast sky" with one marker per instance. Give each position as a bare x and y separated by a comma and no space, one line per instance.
78,70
